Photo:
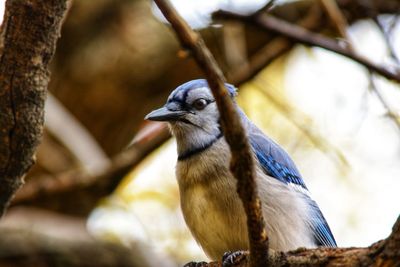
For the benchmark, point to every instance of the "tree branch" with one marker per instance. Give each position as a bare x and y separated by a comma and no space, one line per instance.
29,34
67,129
273,49
341,25
387,36
336,16
390,113
382,253
101,184
306,37
242,165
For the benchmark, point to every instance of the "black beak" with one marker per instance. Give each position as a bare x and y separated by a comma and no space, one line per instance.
164,114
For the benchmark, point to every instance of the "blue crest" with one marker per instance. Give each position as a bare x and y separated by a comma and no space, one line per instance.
203,83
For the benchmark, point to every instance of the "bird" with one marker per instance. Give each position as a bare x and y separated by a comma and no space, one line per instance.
209,200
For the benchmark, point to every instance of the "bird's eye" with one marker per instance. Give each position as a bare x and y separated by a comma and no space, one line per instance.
200,103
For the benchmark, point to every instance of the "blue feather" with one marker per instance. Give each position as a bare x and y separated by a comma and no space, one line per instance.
276,163
322,232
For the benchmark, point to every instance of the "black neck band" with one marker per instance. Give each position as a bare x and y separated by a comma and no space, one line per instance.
189,153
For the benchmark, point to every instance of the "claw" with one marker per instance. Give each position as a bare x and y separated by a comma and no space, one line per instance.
195,264
230,258
226,255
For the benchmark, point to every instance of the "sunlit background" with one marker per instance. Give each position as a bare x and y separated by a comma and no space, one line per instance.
320,107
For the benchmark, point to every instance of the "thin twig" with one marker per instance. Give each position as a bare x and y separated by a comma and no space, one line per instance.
242,165
306,37
267,54
386,35
341,24
234,43
273,49
374,15
393,24
270,4
390,113
336,17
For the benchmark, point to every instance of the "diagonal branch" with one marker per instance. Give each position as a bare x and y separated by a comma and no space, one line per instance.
390,113
306,37
336,17
102,183
242,165
341,25
273,49
67,129
388,38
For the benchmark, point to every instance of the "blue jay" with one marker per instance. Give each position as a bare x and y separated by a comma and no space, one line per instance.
210,204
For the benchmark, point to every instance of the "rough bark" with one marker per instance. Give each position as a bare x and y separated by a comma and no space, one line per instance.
29,33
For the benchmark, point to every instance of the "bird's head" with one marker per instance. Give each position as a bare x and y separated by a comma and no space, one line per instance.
192,114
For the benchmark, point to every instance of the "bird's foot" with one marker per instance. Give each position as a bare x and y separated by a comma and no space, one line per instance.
233,258
195,264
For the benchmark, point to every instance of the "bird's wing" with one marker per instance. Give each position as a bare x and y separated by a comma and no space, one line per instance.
276,163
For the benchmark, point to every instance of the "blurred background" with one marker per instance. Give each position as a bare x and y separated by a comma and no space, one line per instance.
104,179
